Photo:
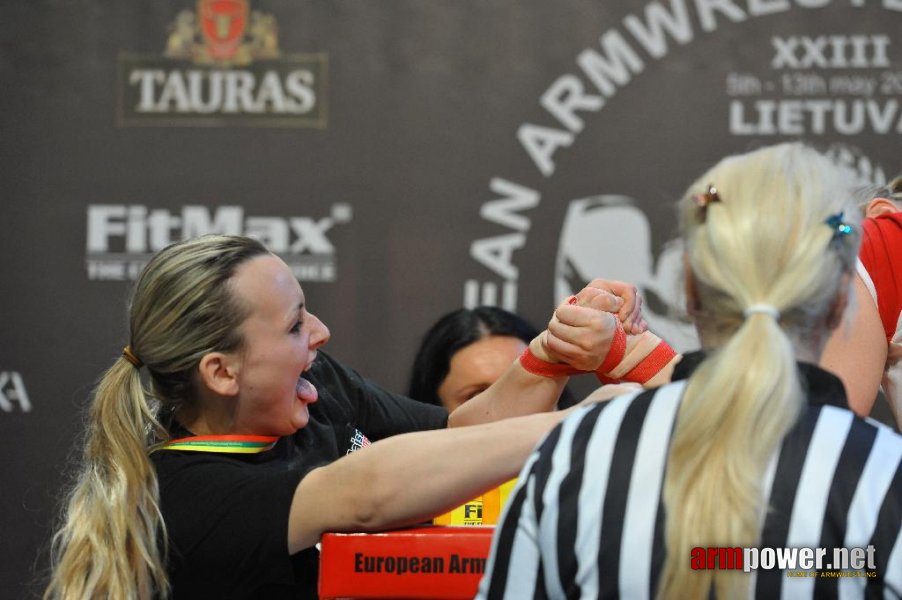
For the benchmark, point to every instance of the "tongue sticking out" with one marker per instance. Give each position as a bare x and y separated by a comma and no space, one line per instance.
306,391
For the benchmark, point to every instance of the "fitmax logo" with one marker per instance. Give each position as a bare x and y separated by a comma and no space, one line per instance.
13,396
121,238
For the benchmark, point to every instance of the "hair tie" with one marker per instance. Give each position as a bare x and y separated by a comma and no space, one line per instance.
703,200
130,357
840,228
762,309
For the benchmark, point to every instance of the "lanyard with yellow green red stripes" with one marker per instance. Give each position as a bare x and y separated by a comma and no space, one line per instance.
232,444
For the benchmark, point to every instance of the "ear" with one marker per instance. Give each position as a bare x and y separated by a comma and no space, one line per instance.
880,206
219,373
838,307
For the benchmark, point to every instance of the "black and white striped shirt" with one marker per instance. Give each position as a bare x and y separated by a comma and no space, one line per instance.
587,521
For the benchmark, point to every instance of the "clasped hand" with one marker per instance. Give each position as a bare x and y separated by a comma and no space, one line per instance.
582,327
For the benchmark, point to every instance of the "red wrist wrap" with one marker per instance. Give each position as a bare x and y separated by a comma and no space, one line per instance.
537,366
649,366
614,355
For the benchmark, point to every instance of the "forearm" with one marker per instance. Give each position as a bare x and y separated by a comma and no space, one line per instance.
517,393
408,478
452,466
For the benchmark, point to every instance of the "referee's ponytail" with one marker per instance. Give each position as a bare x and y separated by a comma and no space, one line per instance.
768,259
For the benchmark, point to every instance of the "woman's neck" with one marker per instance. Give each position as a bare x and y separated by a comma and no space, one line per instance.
200,419
807,346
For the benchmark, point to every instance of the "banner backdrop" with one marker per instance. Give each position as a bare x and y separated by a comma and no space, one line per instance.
405,158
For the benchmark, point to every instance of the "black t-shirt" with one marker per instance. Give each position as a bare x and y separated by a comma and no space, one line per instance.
227,514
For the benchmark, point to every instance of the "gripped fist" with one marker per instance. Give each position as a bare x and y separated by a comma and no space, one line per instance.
578,335
615,297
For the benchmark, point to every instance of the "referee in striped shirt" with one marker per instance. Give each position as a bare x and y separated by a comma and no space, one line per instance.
747,476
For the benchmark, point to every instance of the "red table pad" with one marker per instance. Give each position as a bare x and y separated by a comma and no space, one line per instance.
421,562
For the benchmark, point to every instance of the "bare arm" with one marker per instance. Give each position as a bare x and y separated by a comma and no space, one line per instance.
406,479
856,351
517,392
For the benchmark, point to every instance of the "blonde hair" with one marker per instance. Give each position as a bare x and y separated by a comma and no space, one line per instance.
765,242
112,540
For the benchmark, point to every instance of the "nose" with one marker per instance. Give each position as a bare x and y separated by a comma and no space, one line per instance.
319,333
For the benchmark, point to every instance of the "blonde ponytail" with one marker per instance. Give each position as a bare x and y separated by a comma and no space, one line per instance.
762,243
736,409
110,543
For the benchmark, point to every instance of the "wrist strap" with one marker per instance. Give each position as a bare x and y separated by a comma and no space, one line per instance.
543,368
647,368
614,355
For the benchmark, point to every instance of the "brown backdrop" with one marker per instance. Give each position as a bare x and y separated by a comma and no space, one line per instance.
406,157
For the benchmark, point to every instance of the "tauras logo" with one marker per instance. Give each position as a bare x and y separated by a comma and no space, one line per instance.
121,238
222,66
13,396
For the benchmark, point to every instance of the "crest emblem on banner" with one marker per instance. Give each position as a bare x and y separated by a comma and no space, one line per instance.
222,23
223,32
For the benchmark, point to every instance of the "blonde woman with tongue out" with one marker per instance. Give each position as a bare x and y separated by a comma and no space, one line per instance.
222,443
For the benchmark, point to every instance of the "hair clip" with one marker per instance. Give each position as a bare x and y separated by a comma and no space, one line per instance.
703,200
840,228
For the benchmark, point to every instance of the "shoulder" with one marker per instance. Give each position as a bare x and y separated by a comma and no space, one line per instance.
619,419
857,449
198,472
201,492
639,403
379,412
887,441
226,521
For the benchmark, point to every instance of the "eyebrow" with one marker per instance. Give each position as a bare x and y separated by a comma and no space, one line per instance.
293,315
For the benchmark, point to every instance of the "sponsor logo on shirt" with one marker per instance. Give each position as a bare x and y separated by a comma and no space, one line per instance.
358,441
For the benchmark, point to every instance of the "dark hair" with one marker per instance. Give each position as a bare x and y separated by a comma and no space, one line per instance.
452,332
